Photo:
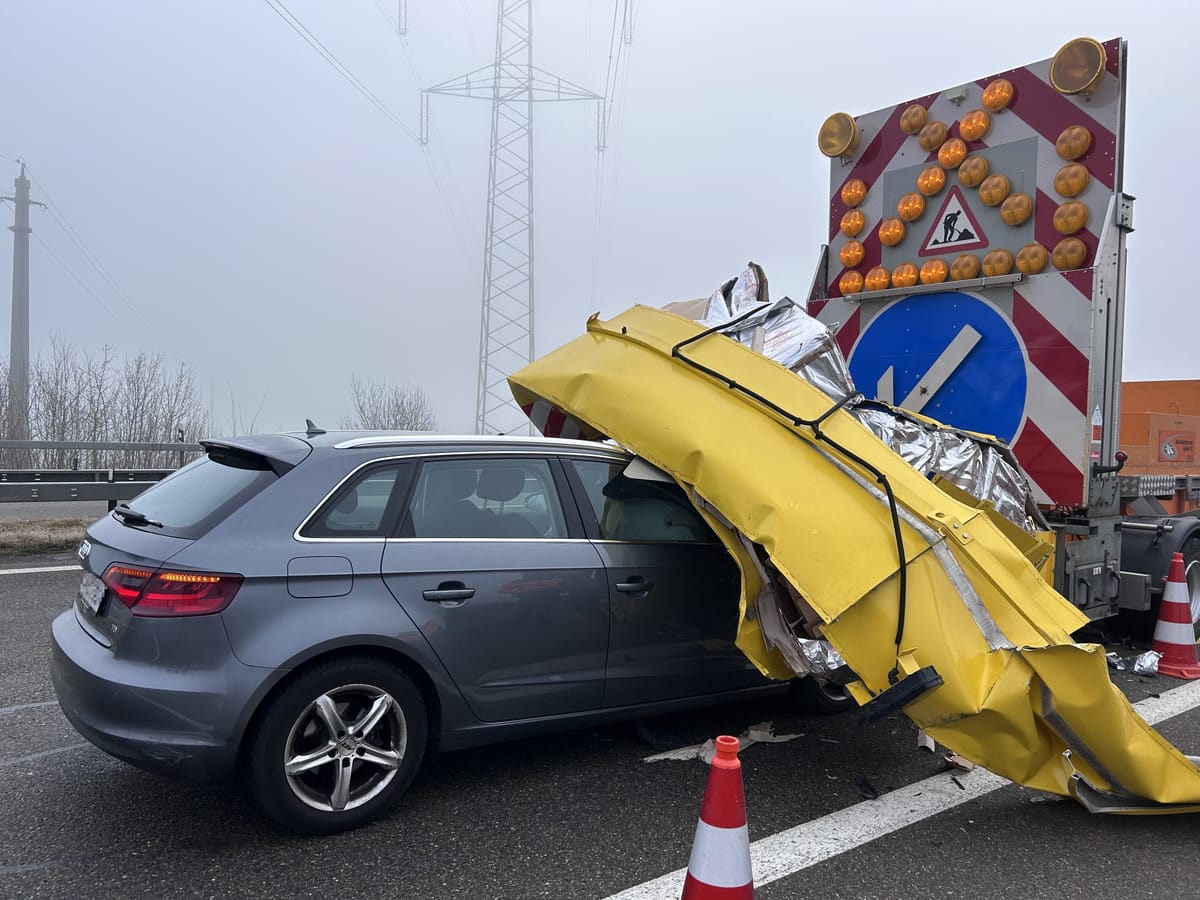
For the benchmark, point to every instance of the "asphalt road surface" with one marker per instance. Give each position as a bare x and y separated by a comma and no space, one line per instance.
577,815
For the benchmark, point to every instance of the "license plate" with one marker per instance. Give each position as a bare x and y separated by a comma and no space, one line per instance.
91,593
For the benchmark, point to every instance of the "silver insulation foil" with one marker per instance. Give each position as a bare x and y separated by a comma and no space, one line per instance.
786,334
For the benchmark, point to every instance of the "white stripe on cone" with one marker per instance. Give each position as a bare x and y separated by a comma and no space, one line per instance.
721,856
1174,633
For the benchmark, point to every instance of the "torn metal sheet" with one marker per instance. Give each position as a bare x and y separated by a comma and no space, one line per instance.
762,733
900,574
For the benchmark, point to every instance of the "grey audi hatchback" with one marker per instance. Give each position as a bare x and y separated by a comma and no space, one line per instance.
316,611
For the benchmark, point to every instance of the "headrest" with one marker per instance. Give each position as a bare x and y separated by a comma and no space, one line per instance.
500,484
456,483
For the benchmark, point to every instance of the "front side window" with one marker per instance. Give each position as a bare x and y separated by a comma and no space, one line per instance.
485,498
358,510
636,509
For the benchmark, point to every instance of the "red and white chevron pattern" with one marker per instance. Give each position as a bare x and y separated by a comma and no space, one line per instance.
1051,312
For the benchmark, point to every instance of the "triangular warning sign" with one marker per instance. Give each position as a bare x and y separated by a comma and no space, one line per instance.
954,229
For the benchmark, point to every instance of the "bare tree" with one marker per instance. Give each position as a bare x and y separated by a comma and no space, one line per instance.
379,406
79,396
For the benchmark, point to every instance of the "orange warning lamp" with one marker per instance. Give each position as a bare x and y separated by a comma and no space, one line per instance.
932,136
931,181
853,223
974,125
1032,259
850,283
997,262
1069,253
912,120
910,207
965,266
952,153
1074,141
1016,208
995,189
891,232
853,192
934,271
851,254
839,135
1078,66
904,275
878,279
1070,217
972,171
997,95
1072,179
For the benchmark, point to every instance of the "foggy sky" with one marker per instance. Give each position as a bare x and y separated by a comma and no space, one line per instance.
270,228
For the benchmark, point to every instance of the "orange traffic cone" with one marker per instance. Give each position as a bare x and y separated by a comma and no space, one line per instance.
719,868
1174,636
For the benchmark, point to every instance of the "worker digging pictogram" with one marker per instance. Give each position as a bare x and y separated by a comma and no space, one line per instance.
954,229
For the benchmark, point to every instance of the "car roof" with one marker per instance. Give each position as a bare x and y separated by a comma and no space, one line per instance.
365,440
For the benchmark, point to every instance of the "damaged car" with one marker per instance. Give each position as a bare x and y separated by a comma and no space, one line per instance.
318,612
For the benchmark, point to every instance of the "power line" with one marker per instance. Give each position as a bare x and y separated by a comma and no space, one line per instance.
60,219
67,269
289,19
280,9
612,79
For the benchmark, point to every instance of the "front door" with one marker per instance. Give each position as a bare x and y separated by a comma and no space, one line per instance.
674,590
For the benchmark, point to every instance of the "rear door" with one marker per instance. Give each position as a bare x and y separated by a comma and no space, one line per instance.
495,571
673,586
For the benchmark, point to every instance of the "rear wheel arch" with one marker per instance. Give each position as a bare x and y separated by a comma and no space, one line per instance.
401,661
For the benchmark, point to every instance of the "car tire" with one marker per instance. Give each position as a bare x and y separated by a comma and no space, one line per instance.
824,698
337,747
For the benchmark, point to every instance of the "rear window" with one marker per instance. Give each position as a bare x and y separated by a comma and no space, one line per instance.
193,499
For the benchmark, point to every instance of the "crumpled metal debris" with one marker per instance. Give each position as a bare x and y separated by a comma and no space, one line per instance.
1142,664
762,733
783,332
821,656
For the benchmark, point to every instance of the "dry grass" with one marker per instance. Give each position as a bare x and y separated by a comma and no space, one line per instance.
30,537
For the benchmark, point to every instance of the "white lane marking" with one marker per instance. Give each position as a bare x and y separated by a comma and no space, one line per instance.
39,569
787,852
28,867
20,706
32,756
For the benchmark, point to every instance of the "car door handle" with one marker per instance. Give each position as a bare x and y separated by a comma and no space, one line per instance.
635,585
449,591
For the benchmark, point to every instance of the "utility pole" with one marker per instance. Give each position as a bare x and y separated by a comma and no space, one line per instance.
18,356
513,84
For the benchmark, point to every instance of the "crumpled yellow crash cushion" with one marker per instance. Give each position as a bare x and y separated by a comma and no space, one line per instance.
1019,696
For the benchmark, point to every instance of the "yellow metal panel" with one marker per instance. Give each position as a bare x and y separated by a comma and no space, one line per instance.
1018,694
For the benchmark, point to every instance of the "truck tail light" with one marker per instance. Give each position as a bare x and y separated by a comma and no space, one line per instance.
167,592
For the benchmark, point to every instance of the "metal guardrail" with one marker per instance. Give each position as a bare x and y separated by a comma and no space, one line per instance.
110,484
77,484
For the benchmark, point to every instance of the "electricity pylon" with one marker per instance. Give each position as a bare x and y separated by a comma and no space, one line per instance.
513,83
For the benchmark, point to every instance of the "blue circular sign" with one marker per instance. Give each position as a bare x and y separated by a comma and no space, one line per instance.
949,356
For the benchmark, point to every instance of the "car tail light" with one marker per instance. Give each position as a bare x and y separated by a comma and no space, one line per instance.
166,592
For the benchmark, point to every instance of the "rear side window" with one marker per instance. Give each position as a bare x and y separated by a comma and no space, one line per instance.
358,511
193,499
485,498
